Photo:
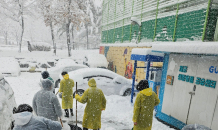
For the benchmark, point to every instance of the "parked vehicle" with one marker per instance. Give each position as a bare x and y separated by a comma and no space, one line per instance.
7,103
35,65
9,66
109,82
95,61
63,65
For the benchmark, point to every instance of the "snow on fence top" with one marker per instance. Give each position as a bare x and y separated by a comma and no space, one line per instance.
141,44
187,47
145,51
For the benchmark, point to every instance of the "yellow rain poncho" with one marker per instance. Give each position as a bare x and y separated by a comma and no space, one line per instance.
144,105
96,102
66,87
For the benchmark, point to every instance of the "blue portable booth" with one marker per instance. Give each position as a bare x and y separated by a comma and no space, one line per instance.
188,89
146,55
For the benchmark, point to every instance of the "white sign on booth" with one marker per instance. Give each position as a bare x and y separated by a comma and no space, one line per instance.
190,71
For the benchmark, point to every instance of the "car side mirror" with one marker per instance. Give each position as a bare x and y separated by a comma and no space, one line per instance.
115,81
2,81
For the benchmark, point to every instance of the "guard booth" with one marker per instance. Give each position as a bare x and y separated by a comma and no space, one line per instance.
153,74
188,90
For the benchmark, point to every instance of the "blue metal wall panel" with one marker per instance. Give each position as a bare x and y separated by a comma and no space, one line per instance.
151,58
170,120
163,80
166,118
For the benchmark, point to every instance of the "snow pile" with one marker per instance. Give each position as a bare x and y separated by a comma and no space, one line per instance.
9,66
145,51
187,47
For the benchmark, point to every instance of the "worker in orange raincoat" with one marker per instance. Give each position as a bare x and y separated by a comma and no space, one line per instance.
144,105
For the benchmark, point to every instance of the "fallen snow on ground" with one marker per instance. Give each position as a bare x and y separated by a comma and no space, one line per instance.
77,55
117,116
118,113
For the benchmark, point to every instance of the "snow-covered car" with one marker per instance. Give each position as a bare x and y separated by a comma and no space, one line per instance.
29,64
7,103
9,66
109,82
95,61
63,65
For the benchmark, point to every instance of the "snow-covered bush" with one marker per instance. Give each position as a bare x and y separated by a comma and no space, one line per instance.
40,46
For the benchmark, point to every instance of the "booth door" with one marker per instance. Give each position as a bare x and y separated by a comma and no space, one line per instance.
181,97
203,103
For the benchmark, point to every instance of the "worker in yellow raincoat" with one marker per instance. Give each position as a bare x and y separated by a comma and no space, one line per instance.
144,105
66,87
96,102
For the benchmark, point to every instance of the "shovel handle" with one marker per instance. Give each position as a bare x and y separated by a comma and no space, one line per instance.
76,104
61,122
57,92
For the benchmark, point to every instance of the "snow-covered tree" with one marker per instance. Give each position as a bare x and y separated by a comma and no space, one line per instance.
14,9
93,24
48,10
69,15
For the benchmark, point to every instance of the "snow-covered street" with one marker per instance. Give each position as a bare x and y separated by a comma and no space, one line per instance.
118,113
117,116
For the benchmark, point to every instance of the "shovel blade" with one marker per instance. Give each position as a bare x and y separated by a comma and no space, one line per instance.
74,127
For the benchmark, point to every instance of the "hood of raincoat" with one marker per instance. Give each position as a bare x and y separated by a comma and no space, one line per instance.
22,118
92,83
66,76
147,92
46,84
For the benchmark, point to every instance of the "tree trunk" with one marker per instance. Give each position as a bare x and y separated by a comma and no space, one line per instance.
68,30
52,36
6,38
22,26
72,37
68,38
87,36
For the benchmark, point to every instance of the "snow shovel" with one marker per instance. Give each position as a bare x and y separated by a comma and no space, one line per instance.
75,127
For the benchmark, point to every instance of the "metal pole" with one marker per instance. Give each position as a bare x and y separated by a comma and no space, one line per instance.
140,27
148,68
155,26
206,19
123,18
130,36
174,33
114,20
133,81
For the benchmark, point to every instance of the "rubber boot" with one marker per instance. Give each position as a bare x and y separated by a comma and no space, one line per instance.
67,112
71,111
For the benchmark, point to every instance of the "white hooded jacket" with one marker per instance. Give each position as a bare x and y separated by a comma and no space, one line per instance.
26,121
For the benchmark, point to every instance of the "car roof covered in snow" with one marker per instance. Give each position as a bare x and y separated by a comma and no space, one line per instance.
97,60
65,62
192,47
79,74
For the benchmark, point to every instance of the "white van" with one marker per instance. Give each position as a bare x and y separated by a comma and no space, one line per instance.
7,103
